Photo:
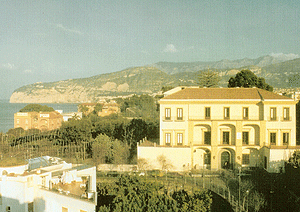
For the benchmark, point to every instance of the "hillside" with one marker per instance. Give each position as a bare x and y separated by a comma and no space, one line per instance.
150,79
137,80
172,68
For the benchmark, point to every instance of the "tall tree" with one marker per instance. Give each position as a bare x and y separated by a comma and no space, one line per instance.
208,78
248,79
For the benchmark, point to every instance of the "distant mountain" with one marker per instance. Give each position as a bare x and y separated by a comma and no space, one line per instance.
151,78
137,80
285,74
172,68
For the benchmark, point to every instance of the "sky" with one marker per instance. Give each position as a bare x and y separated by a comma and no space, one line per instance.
52,40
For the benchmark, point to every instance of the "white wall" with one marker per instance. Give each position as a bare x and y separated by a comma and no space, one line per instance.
14,169
178,157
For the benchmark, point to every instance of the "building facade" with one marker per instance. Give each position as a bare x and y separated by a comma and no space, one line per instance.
225,128
34,120
48,184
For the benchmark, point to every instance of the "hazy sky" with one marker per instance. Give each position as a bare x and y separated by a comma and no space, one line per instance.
62,39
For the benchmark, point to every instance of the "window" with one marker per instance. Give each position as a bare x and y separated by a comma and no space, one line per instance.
207,158
168,114
30,207
245,113
246,138
179,138
8,209
273,138
179,114
168,138
285,138
246,159
26,121
225,137
30,181
207,137
226,113
207,112
18,121
273,113
64,209
286,114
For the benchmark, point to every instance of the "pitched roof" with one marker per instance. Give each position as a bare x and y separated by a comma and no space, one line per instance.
225,93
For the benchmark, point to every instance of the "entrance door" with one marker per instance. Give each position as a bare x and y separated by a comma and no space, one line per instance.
225,160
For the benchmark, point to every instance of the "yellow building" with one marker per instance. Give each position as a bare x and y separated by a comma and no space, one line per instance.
224,128
34,120
108,109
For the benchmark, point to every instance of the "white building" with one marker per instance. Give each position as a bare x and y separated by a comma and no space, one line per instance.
48,184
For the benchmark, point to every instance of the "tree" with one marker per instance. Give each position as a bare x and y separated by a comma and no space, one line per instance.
107,150
143,164
98,108
120,152
294,160
164,163
101,148
36,108
208,79
248,79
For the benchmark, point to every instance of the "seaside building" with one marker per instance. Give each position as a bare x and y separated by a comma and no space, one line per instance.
38,120
224,128
109,108
48,184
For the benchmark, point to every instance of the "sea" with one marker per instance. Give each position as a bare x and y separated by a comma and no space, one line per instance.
7,111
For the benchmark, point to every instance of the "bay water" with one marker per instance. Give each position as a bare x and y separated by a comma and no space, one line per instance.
7,111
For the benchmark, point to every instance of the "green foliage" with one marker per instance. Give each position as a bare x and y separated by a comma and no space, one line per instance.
130,194
16,132
248,79
143,106
101,148
256,200
166,88
122,133
107,150
84,109
208,79
98,108
294,160
199,201
36,108
75,131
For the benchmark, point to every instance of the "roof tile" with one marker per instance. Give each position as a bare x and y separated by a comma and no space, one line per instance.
225,93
